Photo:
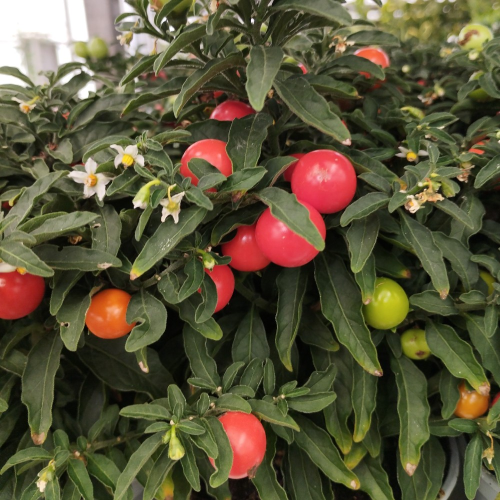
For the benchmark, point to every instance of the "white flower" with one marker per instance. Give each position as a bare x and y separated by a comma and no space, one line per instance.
6,268
41,485
171,206
26,106
128,156
413,204
93,183
141,199
125,39
410,155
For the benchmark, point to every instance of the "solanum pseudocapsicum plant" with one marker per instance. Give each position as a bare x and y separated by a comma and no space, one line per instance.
315,361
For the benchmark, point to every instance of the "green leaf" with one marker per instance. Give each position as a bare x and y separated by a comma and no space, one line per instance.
135,463
140,67
206,441
165,239
38,384
14,72
430,301
475,209
292,285
426,483
16,254
78,474
233,402
151,316
27,455
202,365
110,363
489,172
57,226
364,206
103,469
286,208
487,346
188,462
53,490
187,311
111,102
448,390
473,463
455,212
148,411
413,411
374,479
245,140
313,331
191,34
224,460
106,231
191,427
311,107
243,217
364,400
341,305
262,69
157,474
329,9
366,280
265,477
456,354
71,317
311,403
361,238
250,340
76,258
429,254
203,75
270,413
321,450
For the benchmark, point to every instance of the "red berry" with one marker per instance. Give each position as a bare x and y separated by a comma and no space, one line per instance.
281,245
244,252
229,110
211,150
223,278
289,171
375,55
326,180
247,438
20,294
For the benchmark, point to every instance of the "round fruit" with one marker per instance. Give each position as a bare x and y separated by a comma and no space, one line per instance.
489,280
106,316
281,245
471,404
244,252
6,206
326,180
474,36
375,55
388,307
414,344
479,94
81,50
247,438
97,48
289,171
227,111
477,151
223,278
20,294
211,150
179,9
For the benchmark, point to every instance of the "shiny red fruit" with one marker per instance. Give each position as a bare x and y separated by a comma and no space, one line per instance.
20,294
244,252
223,278
211,150
326,180
495,399
6,206
247,438
289,171
106,316
375,55
281,245
229,110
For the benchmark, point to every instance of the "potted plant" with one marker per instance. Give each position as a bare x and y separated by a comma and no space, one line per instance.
263,291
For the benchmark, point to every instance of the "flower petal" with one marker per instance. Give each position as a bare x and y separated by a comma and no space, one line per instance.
175,215
178,197
88,191
117,148
104,179
140,160
101,190
78,176
118,160
91,166
132,150
164,214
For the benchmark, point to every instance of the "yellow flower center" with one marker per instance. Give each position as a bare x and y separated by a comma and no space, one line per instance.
127,160
91,180
21,270
25,108
172,206
411,156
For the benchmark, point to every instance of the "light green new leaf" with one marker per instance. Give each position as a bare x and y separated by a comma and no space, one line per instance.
262,69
